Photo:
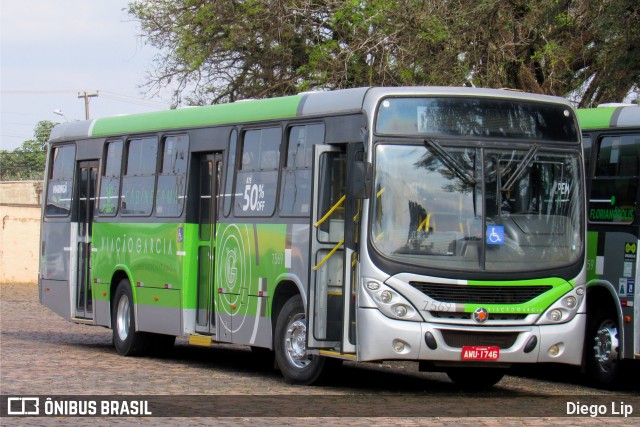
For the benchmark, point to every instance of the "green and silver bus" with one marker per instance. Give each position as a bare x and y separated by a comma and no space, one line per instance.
431,224
611,138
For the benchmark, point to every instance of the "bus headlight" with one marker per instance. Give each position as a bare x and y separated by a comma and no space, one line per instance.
564,309
570,302
555,315
390,302
400,310
386,297
374,286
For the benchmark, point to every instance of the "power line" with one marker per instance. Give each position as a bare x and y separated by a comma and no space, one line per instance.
36,92
114,96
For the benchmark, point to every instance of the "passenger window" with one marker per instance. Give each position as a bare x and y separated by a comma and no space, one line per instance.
172,178
614,188
257,179
295,197
138,181
110,182
60,188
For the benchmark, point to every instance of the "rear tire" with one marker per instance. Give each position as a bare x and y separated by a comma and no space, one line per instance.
603,349
475,379
127,341
296,364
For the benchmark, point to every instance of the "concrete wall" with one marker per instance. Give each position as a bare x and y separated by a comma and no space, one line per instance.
20,233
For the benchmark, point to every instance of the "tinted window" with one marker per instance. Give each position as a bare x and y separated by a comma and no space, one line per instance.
172,179
614,188
257,179
139,181
296,179
261,149
60,187
110,183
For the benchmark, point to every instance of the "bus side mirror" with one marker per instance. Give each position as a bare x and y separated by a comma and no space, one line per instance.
360,182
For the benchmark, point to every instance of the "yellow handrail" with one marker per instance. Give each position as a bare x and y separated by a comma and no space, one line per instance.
335,248
425,223
328,214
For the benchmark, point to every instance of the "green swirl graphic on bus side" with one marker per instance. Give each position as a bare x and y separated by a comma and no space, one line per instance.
234,271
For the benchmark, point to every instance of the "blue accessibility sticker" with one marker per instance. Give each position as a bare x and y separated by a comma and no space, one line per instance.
495,235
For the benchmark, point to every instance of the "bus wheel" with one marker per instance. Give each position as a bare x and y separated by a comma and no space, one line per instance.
475,378
127,341
295,363
603,358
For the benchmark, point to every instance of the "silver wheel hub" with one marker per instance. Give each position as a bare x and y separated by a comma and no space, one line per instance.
295,343
606,345
123,318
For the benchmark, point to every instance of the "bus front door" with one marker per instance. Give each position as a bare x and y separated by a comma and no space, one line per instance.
210,172
330,275
87,173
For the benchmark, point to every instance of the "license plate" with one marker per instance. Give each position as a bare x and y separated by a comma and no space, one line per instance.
477,352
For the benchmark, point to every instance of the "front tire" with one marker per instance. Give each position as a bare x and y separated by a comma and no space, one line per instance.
296,364
127,341
603,349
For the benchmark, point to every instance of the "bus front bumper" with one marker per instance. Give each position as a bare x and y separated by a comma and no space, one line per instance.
382,338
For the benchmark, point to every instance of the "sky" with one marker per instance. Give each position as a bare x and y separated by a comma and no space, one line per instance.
51,50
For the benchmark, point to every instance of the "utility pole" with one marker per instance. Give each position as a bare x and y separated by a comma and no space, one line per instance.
86,95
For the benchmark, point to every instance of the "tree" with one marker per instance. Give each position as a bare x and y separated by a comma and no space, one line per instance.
588,50
28,161
220,51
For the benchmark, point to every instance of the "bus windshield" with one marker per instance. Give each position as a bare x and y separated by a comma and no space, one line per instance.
477,209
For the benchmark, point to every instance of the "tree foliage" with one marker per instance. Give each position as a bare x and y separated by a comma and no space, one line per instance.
27,161
220,51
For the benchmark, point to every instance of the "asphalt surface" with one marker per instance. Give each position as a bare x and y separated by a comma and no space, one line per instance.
43,355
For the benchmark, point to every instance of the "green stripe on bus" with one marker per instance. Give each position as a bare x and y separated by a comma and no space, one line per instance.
595,118
238,112
534,306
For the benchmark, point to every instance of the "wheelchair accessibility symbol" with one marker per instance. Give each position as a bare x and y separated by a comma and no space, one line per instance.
495,235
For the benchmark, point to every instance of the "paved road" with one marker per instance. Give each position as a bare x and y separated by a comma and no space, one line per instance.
42,354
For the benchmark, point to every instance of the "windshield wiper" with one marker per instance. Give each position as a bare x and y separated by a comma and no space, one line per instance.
450,161
521,168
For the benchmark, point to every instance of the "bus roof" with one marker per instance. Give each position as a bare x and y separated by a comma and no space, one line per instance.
609,117
244,111
304,104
